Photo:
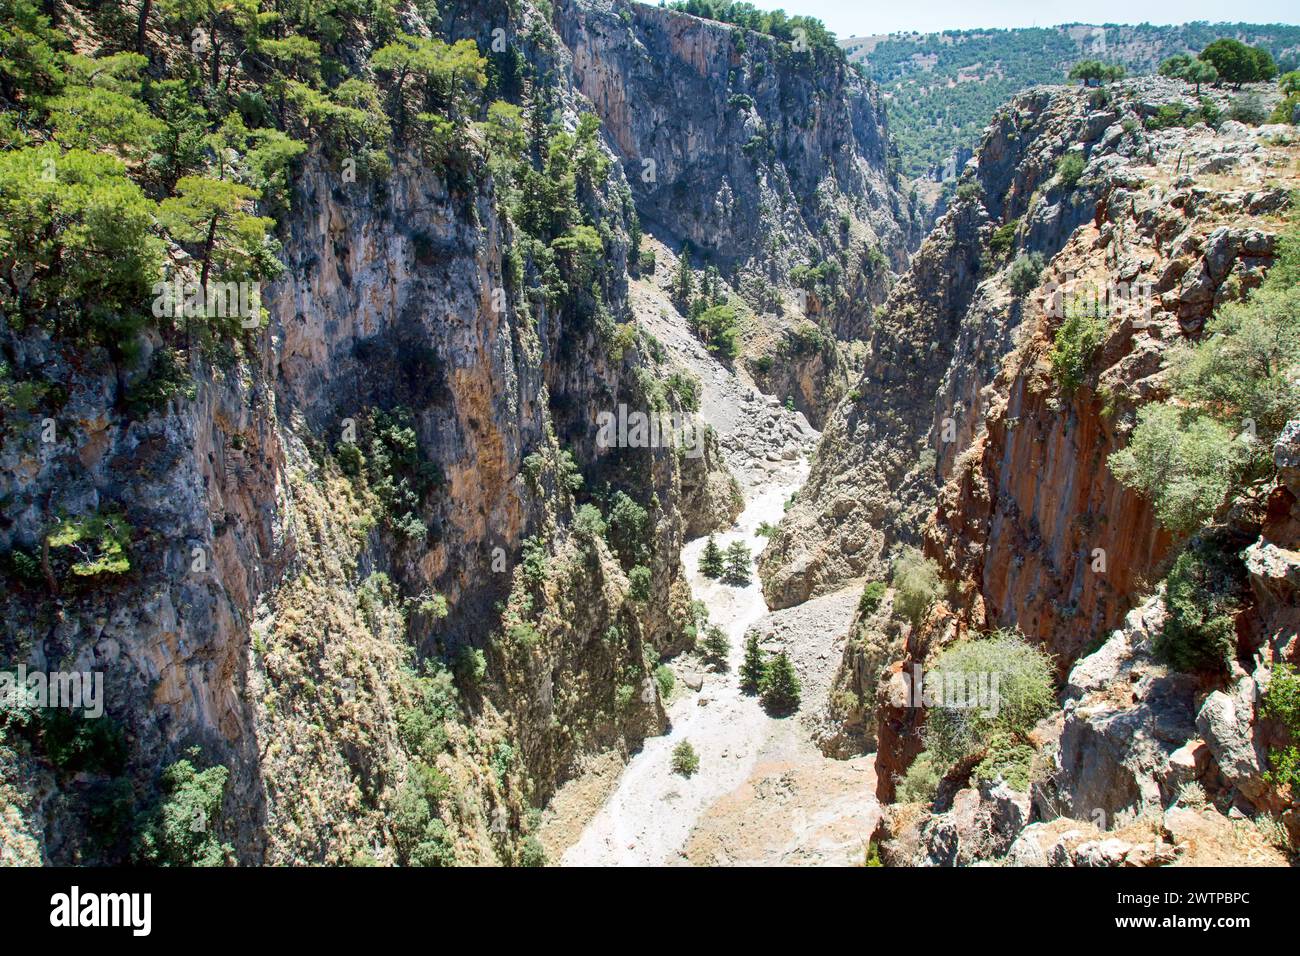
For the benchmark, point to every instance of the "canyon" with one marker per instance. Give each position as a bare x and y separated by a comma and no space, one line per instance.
392,596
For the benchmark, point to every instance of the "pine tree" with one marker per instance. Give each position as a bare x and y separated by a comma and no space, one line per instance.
738,561
711,559
752,668
716,646
685,760
684,285
780,686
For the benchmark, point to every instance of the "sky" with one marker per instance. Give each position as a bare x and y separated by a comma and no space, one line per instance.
864,17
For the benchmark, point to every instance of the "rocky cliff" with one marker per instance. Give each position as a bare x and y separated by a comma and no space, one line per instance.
963,438
356,576
378,585
761,155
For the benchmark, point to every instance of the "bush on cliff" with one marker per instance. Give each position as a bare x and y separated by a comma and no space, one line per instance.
1282,704
921,781
1075,345
916,586
1005,687
1203,593
1069,170
872,595
181,829
1232,393
1023,275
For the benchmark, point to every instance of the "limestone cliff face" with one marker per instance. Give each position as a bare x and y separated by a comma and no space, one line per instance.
1032,521
761,156
934,346
273,618
988,462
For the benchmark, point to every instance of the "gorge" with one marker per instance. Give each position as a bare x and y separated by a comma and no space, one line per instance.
368,583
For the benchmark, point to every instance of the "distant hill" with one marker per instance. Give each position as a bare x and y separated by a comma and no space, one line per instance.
944,87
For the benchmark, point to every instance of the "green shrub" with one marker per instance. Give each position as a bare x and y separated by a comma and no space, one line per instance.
687,389
715,646
400,475
1024,695
87,234
753,667
685,760
471,666
502,760
1202,596
1281,702
167,378
712,562
534,561
1006,758
1095,72
588,524
737,569
1171,115
639,578
1075,345
627,530
718,328
921,781
433,701
1239,370
665,679
970,190
76,744
420,837
872,595
180,829
1183,462
1248,108
532,853
1023,275
1004,239
92,545
1069,169
916,585
351,461
1237,63
779,687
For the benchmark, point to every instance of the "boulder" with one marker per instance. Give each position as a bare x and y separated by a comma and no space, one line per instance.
982,824
1125,718
1286,456
1226,721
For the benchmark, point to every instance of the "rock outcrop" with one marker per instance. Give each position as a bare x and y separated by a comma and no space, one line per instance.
760,155
273,616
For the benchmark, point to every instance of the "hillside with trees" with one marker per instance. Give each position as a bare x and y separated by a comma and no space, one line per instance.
943,88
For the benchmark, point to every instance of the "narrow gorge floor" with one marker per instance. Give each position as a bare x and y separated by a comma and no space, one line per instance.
764,793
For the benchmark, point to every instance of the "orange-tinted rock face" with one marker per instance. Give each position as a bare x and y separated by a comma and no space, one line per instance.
1030,526
1040,530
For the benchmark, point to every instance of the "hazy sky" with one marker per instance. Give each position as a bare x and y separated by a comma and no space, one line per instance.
859,17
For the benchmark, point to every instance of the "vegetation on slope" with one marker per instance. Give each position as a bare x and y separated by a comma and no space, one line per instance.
944,87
